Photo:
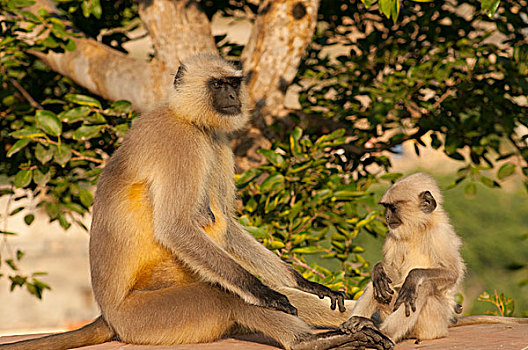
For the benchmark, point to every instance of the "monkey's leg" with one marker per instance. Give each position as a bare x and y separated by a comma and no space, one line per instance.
434,319
316,311
397,325
180,314
198,313
366,305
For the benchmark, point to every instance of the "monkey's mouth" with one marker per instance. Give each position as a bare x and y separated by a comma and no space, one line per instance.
231,110
394,225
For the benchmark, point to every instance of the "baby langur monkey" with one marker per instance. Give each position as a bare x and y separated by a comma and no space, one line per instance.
413,290
169,263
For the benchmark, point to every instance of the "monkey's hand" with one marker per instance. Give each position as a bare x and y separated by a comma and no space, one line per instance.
356,324
408,294
274,300
336,298
380,282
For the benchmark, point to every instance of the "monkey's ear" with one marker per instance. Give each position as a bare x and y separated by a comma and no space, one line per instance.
179,75
427,202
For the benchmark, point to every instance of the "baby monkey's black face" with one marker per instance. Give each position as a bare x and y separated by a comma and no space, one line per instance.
393,210
225,93
392,215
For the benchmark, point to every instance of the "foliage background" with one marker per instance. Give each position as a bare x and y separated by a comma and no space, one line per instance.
445,76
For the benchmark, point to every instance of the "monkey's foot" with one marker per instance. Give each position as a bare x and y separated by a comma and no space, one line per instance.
366,338
356,324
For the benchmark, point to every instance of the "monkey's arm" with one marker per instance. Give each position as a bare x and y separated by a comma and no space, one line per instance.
431,278
175,209
264,263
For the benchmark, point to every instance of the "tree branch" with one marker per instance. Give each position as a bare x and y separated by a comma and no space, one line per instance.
110,73
179,29
26,94
107,72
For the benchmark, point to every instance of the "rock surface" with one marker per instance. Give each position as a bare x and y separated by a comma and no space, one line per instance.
481,337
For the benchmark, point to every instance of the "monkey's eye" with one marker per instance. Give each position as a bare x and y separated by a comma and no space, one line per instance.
234,84
217,85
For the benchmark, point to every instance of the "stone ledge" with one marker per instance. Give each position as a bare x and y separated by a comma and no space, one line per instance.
481,337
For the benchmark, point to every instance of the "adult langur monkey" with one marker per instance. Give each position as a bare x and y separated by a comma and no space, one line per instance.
169,263
412,293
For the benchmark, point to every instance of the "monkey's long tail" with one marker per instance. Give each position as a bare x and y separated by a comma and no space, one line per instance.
485,319
94,333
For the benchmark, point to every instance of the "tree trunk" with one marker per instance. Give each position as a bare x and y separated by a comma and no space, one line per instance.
278,40
179,29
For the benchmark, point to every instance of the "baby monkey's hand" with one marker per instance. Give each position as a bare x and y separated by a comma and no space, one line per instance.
380,282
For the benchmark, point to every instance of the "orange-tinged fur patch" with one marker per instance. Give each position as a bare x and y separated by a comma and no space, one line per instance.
217,230
154,267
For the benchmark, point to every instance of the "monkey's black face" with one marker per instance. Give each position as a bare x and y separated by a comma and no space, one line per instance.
391,215
225,94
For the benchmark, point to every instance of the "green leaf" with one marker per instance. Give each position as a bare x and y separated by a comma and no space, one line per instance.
385,7
83,100
86,198
251,205
346,195
8,233
489,6
17,147
49,122
96,118
272,157
371,216
391,176
27,132
306,250
43,154
395,10
41,179
121,106
489,182
368,3
329,137
70,45
22,178
271,182
30,16
65,224
75,207
28,219
75,114
16,211
244,178
275,245
86,132
19,254
295,136
470,190
257,232
96,8
300,167
61,154
506,170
